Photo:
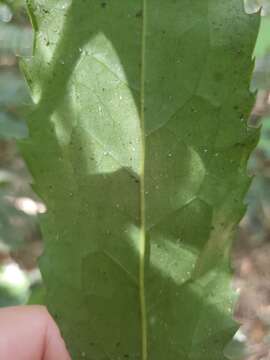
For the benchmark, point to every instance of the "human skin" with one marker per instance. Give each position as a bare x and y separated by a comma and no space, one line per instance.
29,333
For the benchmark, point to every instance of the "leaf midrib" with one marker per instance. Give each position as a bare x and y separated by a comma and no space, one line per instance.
144,350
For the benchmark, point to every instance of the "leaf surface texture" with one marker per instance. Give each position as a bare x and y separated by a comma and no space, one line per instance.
138,147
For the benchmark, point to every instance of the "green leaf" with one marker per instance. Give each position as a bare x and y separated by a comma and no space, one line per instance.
261,76
138,146
263,41
37,296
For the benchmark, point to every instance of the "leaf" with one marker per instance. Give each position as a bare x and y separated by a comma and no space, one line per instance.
263,42
37,296
138,146
261,76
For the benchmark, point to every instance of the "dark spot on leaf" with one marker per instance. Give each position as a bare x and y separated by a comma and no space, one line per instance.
103,4
139,14
239,144
218,76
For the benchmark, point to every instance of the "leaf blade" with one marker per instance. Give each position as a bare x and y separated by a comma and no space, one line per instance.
119,199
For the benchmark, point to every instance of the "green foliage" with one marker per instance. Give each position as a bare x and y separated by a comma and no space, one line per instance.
15,39
261,77
38,294
18,226
263,41
14,224
19,235
12,292
138,146
13,96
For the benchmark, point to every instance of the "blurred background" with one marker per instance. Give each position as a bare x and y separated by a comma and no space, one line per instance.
20,237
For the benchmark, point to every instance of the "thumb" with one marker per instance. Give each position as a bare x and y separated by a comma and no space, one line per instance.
29,333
